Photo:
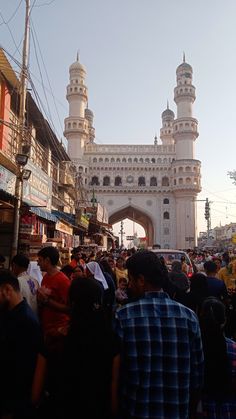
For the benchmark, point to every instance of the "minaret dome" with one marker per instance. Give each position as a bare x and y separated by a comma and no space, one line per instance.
77,66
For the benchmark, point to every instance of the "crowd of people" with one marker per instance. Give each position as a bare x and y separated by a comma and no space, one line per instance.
116,335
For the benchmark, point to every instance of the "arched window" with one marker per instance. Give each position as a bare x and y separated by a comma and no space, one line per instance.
166,231
141,160
94,180
188,180
181,169
159,160
153,160
112,160
69,125
81,169
124,160
118,181
106,160
74,124
165,181
166,215
106,181
118,160
147,160
153,181
135,160
188,169
181,181
166,201
141,181
129,160
94,160
100,159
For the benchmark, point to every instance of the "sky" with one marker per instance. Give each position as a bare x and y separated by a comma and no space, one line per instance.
131,49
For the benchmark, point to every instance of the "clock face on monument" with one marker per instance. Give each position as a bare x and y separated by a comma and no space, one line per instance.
130,179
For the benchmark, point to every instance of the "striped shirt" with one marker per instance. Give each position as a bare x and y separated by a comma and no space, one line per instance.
162,357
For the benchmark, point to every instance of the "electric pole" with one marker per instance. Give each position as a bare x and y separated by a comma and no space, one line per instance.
21,129
121,232
208,217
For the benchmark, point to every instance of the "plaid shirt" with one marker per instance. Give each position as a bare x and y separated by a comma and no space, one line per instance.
162,357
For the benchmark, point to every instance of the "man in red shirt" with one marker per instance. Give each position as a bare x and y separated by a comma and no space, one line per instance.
53,310
53,294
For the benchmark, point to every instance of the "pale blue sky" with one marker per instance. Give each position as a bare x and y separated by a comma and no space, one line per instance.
131,49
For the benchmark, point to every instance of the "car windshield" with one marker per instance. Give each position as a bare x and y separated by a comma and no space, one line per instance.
169,257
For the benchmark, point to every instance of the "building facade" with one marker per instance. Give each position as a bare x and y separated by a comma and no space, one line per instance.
155,185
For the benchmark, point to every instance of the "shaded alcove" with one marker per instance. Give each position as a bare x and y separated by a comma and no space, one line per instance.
138,217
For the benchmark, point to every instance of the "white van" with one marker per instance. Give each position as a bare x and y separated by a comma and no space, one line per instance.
174,254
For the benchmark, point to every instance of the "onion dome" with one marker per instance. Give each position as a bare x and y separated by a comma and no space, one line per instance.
184,66
168,113
77,65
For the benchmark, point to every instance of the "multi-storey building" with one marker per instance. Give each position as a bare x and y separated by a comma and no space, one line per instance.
51,186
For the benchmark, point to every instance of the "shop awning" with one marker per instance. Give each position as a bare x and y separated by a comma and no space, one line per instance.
43,214
69,218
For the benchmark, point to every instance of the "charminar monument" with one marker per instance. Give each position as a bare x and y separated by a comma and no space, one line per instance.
155,185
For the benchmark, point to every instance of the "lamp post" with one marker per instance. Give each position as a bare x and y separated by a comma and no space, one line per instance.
22,174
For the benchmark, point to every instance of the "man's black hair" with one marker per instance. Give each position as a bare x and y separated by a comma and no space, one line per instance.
51,253
7,278
21,260
67,269
147,264
210,267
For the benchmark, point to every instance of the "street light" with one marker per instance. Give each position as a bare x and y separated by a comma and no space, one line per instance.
21,159
22,174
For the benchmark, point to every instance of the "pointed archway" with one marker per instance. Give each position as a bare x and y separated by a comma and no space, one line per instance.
139,217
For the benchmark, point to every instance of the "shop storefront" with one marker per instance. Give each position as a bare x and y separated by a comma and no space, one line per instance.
7,190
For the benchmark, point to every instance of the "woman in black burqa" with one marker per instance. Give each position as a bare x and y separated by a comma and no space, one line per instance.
219,393
90,350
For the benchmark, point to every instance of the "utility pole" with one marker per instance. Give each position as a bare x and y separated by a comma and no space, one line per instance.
208,217
21,130
121,232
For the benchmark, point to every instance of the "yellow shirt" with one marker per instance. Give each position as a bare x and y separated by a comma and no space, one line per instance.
121,273
227,276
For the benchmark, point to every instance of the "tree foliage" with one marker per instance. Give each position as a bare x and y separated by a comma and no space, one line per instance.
232,176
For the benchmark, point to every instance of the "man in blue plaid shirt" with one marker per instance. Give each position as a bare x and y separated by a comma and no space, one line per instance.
162,360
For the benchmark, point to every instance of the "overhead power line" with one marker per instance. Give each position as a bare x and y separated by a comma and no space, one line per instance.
12,16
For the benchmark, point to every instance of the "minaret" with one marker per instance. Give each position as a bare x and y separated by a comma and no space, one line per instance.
185,126
89,116
166,132
185,169
76,125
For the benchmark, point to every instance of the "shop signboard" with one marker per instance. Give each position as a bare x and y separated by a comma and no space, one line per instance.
84,221
38,189
64,228
102,214
7,180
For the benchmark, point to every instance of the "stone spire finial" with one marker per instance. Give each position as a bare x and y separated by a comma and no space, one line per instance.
167,104
155,139
183,57
77,56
